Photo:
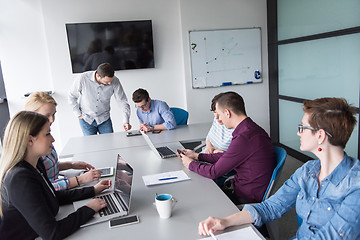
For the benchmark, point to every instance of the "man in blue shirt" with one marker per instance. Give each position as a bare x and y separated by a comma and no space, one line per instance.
152,114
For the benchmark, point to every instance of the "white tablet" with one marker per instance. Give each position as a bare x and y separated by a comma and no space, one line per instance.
107,171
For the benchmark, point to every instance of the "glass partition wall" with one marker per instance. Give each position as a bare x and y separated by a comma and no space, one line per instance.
314,51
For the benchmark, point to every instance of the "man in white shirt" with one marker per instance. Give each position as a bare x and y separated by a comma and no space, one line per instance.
90,97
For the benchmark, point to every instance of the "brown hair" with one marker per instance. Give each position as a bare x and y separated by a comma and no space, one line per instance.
105,70
230,100
139,95
334,115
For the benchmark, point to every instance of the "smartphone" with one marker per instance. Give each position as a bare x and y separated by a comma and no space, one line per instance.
106,172
123,221
156,131
133,133
180,152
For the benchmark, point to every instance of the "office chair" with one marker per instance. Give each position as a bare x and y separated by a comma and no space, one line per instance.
280,153
181,115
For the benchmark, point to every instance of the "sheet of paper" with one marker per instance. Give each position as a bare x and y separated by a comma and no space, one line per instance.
167,177
247,233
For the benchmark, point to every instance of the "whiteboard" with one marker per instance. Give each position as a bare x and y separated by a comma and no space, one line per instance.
225,57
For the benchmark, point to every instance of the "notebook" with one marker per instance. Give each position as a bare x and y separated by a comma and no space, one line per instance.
164,151
118,200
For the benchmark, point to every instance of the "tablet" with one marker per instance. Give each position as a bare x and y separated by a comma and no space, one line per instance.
107,171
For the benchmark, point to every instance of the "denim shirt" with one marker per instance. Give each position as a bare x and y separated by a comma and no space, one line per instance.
329,211
159,113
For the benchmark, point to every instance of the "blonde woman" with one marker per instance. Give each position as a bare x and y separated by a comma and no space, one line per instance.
29,203
45,104
325,191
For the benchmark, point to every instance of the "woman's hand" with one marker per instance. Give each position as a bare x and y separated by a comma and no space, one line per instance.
96,204
90,176
81,165
102,185
211,224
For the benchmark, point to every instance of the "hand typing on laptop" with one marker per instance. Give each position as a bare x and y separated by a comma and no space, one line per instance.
96,204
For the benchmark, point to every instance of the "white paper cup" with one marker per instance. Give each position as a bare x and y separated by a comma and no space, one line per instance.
164,204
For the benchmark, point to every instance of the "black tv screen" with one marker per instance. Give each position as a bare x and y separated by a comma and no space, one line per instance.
125,45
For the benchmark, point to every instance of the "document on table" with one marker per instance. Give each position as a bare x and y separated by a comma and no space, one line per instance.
167,177
247,233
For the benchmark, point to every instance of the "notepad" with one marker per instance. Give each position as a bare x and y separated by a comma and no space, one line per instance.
167,177
247,233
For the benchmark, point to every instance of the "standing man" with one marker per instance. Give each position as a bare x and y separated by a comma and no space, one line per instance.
90,99
152,114
250,153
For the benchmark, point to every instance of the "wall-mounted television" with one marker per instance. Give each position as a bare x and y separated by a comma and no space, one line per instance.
125,45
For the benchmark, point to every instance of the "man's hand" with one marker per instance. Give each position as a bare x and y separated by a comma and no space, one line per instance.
127,126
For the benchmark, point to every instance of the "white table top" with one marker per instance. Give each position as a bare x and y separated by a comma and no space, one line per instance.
119,140
197,199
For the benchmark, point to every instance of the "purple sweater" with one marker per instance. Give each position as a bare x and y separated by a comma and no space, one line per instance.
250,154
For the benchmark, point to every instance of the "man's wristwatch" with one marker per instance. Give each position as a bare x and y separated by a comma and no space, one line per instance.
151,128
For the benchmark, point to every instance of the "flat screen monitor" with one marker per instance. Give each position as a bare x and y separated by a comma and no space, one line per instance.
125,45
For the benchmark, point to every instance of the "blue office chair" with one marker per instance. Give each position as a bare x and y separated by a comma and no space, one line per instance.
280,160
181,115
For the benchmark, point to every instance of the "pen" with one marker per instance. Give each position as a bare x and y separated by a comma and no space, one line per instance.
168,178
212,235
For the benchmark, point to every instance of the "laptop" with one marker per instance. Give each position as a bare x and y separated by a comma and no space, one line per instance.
118,200
164,151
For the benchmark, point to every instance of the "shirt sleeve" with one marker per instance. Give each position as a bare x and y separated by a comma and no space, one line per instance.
61,184
29,199
121,99
278,204
218,166
74,95
168,116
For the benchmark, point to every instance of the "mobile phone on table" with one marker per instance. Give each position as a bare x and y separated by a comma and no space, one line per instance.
156,131
107,171
133,133
123,221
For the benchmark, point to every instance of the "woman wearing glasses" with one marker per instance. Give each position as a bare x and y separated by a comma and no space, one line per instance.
326,191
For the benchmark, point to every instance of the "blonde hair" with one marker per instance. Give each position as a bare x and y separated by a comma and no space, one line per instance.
17,132
37,99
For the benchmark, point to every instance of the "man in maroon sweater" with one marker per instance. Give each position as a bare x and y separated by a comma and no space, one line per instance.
250,154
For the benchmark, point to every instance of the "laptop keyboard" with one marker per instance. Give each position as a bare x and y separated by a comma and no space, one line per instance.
165,151
111,207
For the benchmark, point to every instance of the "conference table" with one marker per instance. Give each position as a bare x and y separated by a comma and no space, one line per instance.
197,198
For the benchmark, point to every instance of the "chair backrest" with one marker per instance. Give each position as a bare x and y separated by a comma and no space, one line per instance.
280,160
181,115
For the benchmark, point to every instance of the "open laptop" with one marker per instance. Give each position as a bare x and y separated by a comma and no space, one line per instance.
118,201
164,151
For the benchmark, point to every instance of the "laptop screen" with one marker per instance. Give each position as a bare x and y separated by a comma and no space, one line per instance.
123,179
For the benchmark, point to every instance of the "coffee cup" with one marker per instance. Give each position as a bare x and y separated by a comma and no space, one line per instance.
164,204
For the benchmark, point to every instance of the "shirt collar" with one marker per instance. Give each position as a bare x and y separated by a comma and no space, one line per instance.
241,125
338,174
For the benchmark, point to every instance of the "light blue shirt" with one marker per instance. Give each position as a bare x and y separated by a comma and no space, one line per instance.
219,136
331,211
159,113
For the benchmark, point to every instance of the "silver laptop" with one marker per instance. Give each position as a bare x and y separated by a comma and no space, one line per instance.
118,201
164,151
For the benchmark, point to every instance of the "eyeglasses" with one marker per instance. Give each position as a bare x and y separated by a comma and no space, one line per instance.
142,106
302,127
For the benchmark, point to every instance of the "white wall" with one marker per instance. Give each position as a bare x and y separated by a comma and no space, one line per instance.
215,14
34,53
